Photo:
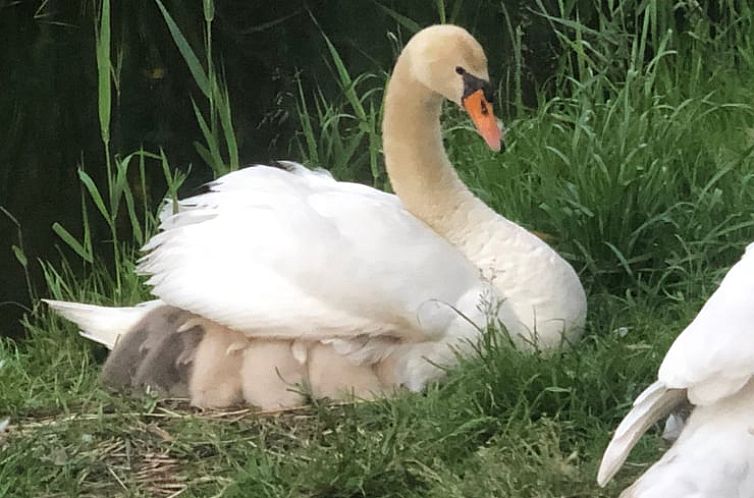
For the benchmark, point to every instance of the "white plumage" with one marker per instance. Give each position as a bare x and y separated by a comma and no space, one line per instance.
346,278
103,324
711,364
290,253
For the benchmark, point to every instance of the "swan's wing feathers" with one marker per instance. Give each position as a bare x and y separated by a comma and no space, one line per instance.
712,458
708,364
714,356
654,403
274,253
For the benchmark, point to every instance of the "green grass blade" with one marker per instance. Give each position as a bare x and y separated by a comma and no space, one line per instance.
305,121
374,146
20,255
173,179
103,71
71,241
96,197
344,78
440,6
204,153
223,108
404,21
120,185
209,10
455,11
136,230
124,191
214,160
197,71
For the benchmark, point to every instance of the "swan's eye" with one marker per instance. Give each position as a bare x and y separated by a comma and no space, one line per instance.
460,70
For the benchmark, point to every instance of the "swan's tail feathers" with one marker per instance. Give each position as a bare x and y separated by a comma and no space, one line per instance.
102,324
654,403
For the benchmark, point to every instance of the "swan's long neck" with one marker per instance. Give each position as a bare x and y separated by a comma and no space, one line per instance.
542,292
419,169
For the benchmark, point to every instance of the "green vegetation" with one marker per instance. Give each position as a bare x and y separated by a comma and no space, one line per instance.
638,160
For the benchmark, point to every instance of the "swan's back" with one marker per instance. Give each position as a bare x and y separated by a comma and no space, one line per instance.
269,251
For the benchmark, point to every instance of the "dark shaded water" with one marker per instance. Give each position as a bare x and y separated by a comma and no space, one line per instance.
48,99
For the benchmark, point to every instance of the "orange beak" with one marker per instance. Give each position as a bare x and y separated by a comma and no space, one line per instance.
480,111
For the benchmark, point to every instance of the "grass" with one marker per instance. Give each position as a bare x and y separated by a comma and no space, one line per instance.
639,163
509,424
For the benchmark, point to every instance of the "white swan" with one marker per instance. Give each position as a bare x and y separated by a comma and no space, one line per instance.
362,278
710,365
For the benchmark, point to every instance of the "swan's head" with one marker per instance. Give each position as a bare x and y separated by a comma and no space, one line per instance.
449,61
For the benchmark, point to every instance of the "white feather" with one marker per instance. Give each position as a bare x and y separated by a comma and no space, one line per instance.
713,458
714,356
654,403
710,363
102,324
267,251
